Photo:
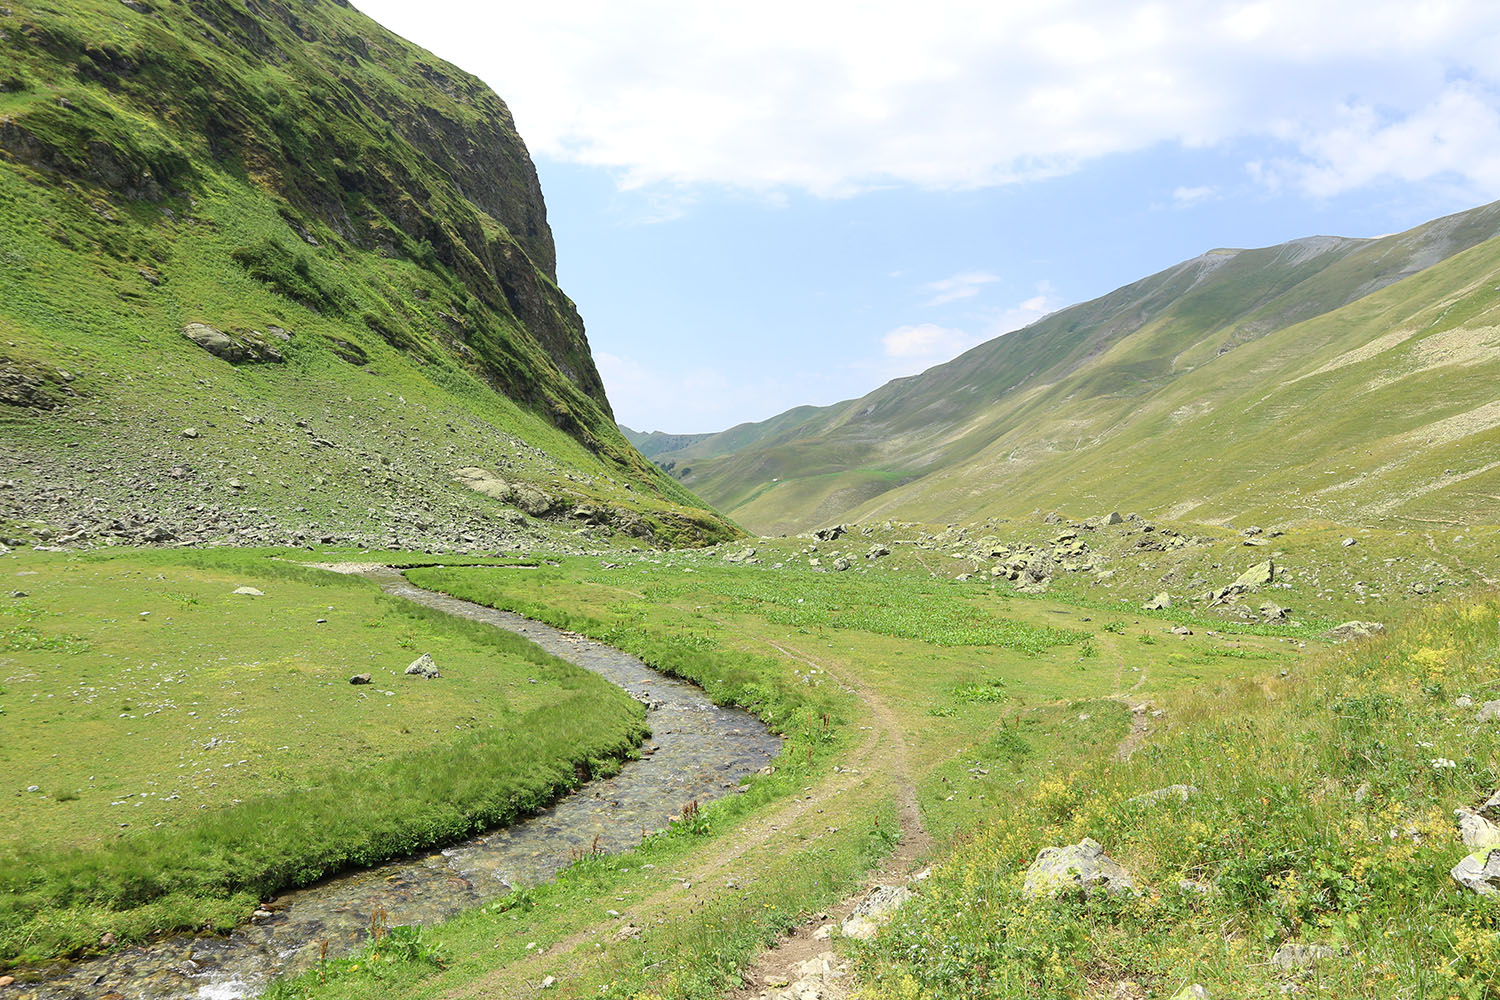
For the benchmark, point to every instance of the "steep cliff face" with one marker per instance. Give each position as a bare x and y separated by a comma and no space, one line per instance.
208,204
386,146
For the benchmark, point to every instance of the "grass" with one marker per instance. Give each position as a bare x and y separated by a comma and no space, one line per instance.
1320,817
235,759
974,722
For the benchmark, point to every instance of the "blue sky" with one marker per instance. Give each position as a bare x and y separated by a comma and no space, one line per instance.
760,206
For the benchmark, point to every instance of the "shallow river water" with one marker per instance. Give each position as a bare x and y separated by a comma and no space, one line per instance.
701,752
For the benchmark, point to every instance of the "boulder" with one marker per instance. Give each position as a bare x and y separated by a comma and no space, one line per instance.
423,666
1489,711
360,679
1160,602
1256,576
877,550
249,592
1193,992
1479,872
840,564
484,481
1083,865
874,911
831,534
1354,630
236,348
1475,830
1272,612
1113,518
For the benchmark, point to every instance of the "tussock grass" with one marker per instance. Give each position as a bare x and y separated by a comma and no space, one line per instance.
1324,815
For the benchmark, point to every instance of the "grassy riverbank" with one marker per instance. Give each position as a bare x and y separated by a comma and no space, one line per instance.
231,758
942,702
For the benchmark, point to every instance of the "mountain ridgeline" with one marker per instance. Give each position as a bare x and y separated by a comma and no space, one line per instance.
273,225
1323,380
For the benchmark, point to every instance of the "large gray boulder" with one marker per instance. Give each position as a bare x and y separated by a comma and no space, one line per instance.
484,481
1083,865
235,348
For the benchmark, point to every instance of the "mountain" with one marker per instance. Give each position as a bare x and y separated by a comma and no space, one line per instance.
318,248
656,442
1324,379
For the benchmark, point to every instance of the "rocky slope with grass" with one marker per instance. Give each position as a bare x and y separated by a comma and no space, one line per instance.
1324,379
273,274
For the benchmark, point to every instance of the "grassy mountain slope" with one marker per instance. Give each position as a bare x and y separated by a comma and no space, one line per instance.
656,442
1232,384
362,230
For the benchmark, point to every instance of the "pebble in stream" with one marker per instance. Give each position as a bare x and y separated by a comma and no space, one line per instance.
703,752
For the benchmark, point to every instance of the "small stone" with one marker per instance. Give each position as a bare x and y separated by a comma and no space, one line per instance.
549,982
1300,956
1354,630
1179,792
840,564
190,432
1349,541
875,910
1489,711
423,666
106,939
1463,701
1193,992
360,679
249,592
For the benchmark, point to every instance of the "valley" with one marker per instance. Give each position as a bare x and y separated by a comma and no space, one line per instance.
351,648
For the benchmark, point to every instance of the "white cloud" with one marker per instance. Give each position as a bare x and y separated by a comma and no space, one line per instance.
926,341
963,285
843,96
1024,313
914,347
1186,197
1456,135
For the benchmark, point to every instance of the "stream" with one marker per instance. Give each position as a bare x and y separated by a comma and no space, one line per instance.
701,752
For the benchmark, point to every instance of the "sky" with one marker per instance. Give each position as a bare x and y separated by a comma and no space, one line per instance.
760,206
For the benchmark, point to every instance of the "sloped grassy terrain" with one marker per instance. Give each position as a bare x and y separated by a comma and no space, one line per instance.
1321,813
1347,380
230,756
353,234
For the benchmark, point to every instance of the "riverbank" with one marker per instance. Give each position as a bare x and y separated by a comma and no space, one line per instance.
232,758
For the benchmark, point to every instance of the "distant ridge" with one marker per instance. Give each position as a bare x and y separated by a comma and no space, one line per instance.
1322,378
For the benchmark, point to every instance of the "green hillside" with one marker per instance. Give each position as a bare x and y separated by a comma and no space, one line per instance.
1346,380
272,274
